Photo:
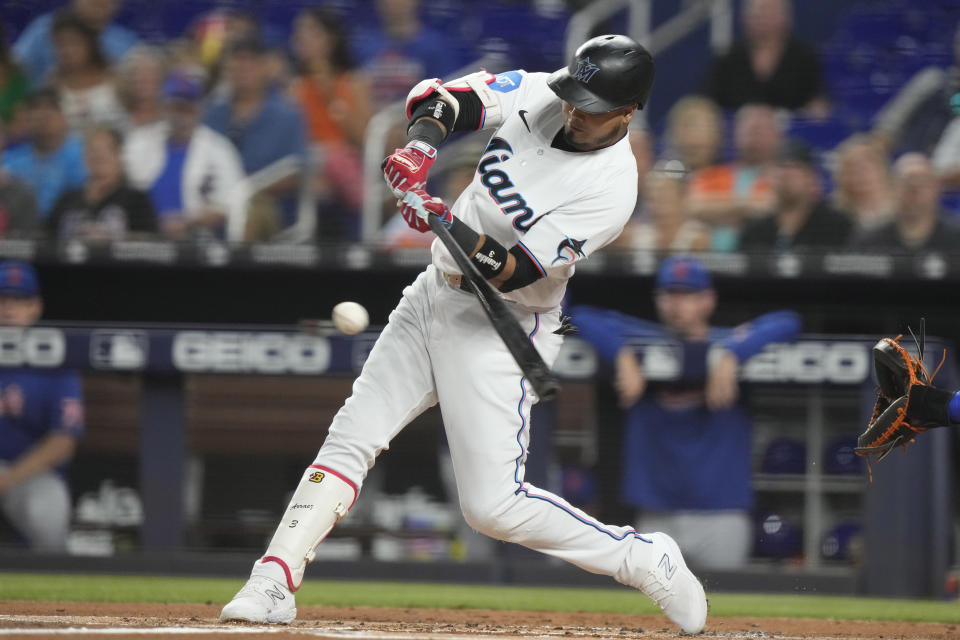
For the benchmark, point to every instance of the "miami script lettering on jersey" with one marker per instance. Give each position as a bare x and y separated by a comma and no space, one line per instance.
499,185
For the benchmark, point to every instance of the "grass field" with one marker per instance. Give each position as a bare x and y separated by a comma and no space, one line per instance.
17,586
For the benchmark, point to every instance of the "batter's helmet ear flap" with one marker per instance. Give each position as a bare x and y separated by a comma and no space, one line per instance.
606,73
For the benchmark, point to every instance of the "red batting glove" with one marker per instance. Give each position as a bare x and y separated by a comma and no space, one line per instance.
417,204
407,168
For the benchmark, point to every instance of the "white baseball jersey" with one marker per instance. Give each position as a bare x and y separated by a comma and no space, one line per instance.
558,206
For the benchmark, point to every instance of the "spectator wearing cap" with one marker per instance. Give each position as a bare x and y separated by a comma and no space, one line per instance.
18,204
919,225
268,131
801,218
35,48
41,421
687,435
106,208
193,175
51,161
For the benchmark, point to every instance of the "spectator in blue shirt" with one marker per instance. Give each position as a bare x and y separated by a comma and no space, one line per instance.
34,48
40,422
194,175
51,161
267,130
687,439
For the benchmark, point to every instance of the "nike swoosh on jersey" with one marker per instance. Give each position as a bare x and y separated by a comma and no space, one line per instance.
523,116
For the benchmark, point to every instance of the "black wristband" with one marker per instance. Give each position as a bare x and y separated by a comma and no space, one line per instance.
491,258
427,131
526,272
424,114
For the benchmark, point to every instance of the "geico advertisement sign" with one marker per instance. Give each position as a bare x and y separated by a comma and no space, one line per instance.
840,362
806,361
36,347
262,352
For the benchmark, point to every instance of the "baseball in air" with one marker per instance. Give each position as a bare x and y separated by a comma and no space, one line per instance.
350,318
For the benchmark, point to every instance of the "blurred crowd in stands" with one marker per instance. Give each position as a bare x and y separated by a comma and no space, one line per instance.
238,130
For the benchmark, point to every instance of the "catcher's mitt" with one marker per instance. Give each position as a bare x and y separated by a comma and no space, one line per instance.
907,402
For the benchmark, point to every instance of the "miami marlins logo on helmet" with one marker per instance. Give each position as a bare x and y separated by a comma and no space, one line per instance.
585,70
569,249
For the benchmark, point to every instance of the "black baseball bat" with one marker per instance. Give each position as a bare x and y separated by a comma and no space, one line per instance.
520,346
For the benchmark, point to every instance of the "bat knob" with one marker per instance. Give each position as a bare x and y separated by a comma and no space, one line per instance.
547,388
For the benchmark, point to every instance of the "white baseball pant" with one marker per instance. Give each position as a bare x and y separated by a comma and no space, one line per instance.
440,346
39,508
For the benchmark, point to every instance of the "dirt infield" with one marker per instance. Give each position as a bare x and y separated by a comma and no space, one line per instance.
119,621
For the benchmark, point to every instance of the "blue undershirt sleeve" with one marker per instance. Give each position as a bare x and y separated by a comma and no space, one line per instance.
601,328
953,410
608,331
749,339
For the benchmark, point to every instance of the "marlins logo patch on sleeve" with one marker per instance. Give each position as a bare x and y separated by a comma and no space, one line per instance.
569,250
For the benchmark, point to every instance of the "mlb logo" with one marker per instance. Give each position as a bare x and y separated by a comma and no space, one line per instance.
119,350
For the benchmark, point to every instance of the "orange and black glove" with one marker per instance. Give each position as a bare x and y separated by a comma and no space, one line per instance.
907,402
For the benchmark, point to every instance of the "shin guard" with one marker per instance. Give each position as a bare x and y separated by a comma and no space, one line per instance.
321,500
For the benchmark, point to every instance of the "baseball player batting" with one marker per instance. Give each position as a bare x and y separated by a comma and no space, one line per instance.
556,182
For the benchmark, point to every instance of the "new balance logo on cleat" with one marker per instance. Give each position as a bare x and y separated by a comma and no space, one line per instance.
276,595
263,599
668,567
673,587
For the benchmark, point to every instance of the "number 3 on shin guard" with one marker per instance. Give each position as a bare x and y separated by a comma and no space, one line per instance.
320,501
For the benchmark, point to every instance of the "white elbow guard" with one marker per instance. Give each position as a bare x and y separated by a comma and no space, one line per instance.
426,88
479,82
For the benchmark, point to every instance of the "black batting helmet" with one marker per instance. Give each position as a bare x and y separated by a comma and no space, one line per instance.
606,73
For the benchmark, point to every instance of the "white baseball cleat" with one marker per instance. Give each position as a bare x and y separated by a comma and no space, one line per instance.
673,586
265,598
